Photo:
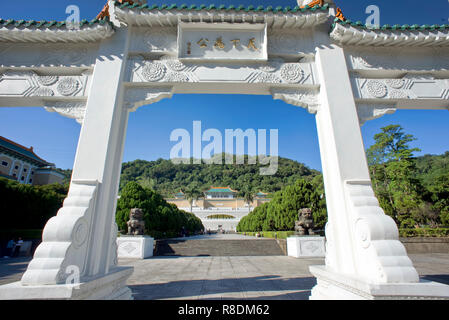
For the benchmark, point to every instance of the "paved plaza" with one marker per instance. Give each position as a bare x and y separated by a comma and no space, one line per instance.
264,277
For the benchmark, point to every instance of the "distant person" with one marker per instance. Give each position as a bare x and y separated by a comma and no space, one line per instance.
17,247
9,248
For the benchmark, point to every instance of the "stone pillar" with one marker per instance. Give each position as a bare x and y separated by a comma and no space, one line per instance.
79,243
364,257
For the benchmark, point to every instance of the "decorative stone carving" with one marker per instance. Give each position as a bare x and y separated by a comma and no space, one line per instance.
43,92
68,86
73,110
406,60
66,55
64,239
304,225
265,77
177,77
168,69
305,98
376,88
47,80
161,39
417,87
292,73
137,97
29,84
373,111
373,229
136,225
176,65
154,71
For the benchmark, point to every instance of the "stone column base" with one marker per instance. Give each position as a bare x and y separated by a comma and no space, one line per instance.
334,286
109,287
306,247
139,247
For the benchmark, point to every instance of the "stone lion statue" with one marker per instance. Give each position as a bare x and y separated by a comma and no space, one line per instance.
136,225
304,225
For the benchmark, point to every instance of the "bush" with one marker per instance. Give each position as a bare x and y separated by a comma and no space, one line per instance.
424,232
29,207
159,215
281,212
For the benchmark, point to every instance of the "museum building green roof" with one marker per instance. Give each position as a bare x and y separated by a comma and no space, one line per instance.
220,190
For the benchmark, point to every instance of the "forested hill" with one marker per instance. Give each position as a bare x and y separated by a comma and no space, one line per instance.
431,168
168,178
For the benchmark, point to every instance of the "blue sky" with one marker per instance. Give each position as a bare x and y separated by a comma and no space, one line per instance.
55,138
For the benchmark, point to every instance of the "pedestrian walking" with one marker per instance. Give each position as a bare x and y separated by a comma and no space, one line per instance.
17,247
9,248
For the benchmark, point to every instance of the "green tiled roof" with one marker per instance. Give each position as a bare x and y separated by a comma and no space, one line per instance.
49,24
396,27
220,190
222,7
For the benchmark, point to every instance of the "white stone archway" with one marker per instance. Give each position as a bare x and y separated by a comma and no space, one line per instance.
342,72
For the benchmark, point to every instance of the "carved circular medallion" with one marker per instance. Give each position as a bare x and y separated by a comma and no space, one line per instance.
395,83
68,86
47,80
44,92
80,233
153,71
363,234
175,65
292,73
377,89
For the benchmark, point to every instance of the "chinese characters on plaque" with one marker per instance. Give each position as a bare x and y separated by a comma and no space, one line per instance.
220,45
201,41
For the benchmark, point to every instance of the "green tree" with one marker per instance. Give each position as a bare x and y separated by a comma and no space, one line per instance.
159,216
192,194
393,173
248,196
281,212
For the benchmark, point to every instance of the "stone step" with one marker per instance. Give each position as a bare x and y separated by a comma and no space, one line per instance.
209,247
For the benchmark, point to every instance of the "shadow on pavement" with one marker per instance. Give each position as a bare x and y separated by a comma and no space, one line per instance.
229,289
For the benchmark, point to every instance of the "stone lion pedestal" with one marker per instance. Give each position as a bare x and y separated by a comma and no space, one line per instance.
306,246
137,247
135,244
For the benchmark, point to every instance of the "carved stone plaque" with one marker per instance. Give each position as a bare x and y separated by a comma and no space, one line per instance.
222,41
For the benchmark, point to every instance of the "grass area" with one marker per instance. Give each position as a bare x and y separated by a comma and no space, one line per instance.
403,233
270,234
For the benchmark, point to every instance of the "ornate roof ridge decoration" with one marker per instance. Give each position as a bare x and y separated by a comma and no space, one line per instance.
169,15
314,6
347,32
54,31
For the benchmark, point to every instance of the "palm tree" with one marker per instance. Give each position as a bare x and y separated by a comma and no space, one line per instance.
248,196
192,194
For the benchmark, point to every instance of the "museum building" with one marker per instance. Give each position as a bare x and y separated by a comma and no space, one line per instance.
220,208
21,164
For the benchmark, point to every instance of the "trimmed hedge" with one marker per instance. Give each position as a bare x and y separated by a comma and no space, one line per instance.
424,232
271,234
25,234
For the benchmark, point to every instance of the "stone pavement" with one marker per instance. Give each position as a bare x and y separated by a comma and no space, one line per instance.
269,277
